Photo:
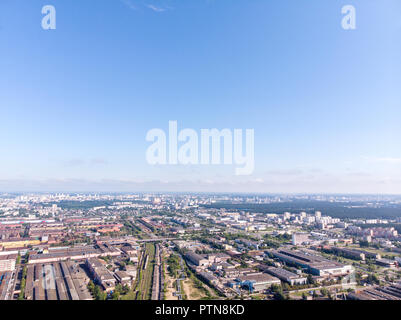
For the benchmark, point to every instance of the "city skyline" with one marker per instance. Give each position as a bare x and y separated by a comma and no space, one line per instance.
166,247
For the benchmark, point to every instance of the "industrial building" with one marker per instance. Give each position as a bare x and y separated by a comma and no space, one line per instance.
355,253
101,274
19,242
197,259
7,262
56,281
287,276
208,277
391,292
5,279
314,264
75,253
123,278
386,263
349,253
257,282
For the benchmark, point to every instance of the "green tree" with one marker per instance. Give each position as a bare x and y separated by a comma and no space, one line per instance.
310,279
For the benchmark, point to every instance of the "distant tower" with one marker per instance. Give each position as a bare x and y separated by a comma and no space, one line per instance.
299,238
287,215
318,214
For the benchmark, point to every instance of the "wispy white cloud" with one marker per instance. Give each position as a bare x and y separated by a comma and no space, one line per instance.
388,160
156,8
129,4
137,6
98,161
83,162
74,162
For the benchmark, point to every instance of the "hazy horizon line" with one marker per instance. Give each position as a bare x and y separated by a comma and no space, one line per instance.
203,192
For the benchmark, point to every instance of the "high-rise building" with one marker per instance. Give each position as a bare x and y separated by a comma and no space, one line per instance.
299,238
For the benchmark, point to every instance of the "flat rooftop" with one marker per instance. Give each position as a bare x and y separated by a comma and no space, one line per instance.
282,273
258,278
302,257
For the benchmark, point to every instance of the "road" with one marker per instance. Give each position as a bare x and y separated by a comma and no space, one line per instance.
156,239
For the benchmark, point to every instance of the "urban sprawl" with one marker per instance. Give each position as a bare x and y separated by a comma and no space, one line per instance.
197,246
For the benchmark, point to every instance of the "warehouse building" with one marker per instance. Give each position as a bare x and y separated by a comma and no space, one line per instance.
5,279
391,292
349,253
386,263
314,264
56,281
7,262
197,259
19,242
287,276
257,282
101,275
75,253
123,278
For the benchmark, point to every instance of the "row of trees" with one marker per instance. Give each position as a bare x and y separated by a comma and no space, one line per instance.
96,291
174,266
23,284
278,293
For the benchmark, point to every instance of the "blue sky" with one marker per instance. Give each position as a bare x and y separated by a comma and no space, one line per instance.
76,102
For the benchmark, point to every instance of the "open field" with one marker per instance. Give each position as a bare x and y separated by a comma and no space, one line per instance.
169,282
191,291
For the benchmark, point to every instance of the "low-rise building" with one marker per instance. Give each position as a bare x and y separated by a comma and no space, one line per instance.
101,275
287,276
197,259
19,242
7,262
386,263
349,253
123,278
314,264
257,282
